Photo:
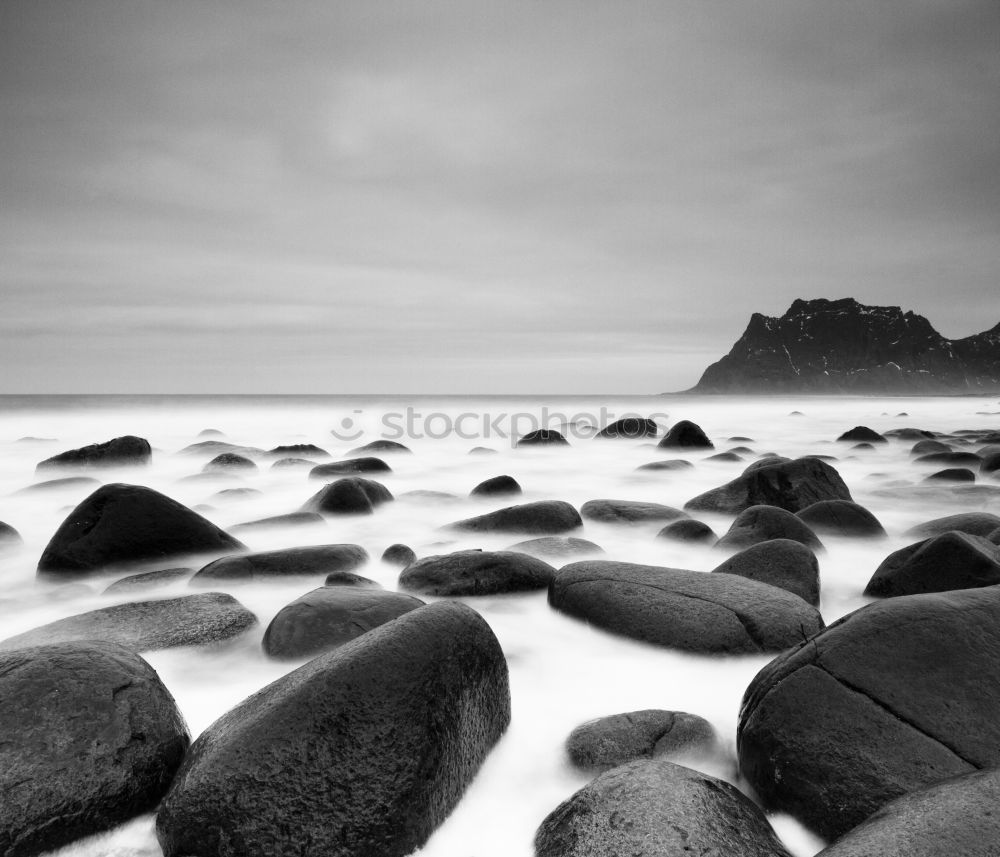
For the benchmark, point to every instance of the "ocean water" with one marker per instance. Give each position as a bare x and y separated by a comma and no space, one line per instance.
562,671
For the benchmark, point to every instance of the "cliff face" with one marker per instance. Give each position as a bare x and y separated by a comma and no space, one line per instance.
841,346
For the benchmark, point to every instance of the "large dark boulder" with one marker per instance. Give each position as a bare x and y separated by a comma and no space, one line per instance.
784,563
685,435
951,459
862,433
973,523
791,485
330,616
229,462
559,548
628,512
382,447
352,495
653,808
608,742
691,610
352,465
951,475
952,560
498,486
688,530
363,750
927,447
841,518
895,696
954,818
145,626
121,524
542,437
473,572
399,554
288,562
545,517
91,738
763,523
298,450
10,538
630,428
123,451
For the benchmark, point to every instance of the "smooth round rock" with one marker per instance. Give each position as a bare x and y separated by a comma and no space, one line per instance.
298,450
543,437
784,563
149,580
608,742
973,523
763,523
841,518
382,447
654,808
352,495
862,433
368,747
91,738
228,462
928,447
668,464
279,522
366,464
125,451
545,517
628,511
690,610
399,554
288,562
685,435
330,616
952,474
473,572
688,530
557,547
498,486
953,560
629,428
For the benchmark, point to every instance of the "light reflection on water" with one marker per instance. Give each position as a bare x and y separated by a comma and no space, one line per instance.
562,671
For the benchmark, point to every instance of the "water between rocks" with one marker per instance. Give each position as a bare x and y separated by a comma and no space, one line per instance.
562,671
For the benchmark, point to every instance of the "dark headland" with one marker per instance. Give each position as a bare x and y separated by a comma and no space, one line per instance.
842,346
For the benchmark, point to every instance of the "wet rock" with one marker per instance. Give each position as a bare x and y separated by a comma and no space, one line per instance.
952,560
351,465
373,745
950,459
910,434
688,530
690,610
282,463
630,428
685,435
148,580
422,494
144,626
791,485
608,742
236,494
669,464
120,524
952,474
763,523
545,517
352,495
543,437
628,511
66,483
973,523
862,433
399,554
278,522
724,457
557,548
498,486
955,817
653,808
895,696
841,518
91,738
126,451
784,563
10,538
218,447
929,447
383,447
228,462
210,432
288,562
482,450
300,450
474,572
349,578
328,617
990,463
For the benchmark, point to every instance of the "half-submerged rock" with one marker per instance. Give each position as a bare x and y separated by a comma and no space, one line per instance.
124,451
474,572
545,517
288,562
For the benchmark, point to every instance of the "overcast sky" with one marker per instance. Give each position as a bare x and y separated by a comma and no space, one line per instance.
478,197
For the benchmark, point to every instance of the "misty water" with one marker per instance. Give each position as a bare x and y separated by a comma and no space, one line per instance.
562,672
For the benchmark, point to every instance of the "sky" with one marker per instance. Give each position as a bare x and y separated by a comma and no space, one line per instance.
538,197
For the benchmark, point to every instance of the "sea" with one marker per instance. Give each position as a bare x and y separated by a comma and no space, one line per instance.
562,671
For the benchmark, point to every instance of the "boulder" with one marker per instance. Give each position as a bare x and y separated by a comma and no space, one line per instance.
91,738
121,524
145,626
543,437
351,465
228,462
628,511
667,464
351,495
298,450
608,742
282,463
763,523
784,563
545,517
685,434
288,562
630,428
368,748
928,447
950,459
862,433
149,580
688,530
382,447
65,483
474,572
952,560
690,610
990,463
973,523
557,547
399,554
218,447
724,457
10,539
841,518
951,818
498,486
330,616
126,451
791,485
898,695
653,808
952,474
349,578
278,522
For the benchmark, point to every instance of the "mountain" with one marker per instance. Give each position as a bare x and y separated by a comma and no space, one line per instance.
842,346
